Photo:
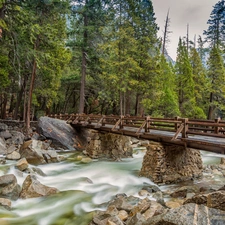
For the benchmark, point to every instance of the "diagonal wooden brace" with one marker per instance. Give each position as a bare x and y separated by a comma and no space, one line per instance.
178,132
141,127
117,124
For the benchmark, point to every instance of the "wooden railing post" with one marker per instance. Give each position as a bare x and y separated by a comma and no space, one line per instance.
121,122
185,129
216,129
176,125
147,125
103,120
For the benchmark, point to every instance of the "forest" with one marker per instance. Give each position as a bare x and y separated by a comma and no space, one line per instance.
105,57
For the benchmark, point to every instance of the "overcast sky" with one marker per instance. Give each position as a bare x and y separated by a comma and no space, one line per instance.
182,12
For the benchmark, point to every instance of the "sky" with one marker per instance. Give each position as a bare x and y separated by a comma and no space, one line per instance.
182,12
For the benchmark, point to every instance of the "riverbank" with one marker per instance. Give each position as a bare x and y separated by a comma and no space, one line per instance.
105,191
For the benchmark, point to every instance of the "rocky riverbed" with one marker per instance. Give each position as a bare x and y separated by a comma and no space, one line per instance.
198,201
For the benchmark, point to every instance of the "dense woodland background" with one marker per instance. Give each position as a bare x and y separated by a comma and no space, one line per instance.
104,57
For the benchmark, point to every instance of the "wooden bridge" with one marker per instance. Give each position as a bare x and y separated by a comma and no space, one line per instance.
206,135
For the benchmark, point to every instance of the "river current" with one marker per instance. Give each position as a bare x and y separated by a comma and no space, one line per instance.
83,189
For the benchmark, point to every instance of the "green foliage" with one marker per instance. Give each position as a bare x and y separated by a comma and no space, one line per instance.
201,84
4,71
114,46
216,74
185,81
215,33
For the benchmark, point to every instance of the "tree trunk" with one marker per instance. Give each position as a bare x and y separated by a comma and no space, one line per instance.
128,102
165,34
19,99
4,105
84,68
210,111
11,107
137,104
29,102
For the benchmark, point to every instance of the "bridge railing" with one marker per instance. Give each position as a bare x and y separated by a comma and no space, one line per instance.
181,126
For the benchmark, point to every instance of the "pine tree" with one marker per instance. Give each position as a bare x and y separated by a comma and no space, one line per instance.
84,36
201,83
131,53
216,74
185,82
215,33
43,35
167,105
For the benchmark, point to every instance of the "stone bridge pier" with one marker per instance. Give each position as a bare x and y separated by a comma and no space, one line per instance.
162,163
108,145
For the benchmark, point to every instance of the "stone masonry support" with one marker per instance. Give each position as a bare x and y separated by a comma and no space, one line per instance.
171,163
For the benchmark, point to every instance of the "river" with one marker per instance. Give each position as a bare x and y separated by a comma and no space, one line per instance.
83,189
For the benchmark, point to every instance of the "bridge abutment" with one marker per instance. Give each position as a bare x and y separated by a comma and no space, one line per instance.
171,163
108,145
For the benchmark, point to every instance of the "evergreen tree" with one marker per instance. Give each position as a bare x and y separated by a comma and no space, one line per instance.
130,53
215,33
84,36
168,104
201,83
216,74
185,82
43,35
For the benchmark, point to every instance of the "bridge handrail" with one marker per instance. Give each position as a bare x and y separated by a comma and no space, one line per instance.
185,126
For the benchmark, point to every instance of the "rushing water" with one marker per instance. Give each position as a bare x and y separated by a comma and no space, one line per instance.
83,189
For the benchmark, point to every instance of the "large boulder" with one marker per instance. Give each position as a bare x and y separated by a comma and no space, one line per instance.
215,200
58,131
17,138
128,210
189,214
171,163
9,187
35,153
32,188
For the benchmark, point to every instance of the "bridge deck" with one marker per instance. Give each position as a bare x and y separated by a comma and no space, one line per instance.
193,141
200,134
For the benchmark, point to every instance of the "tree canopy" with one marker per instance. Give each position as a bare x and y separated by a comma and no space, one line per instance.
105,57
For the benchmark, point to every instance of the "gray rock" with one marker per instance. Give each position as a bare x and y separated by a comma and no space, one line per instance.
6,203
58,131
189,214
31,150
22,164
183,191
17,138
11,149
213,200
9,187
5,134
37,171
34,153
3,127
2,146
151,188
32,188
13,156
